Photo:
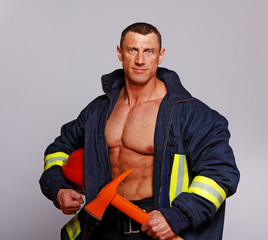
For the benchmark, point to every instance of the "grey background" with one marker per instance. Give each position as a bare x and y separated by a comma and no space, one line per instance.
53,53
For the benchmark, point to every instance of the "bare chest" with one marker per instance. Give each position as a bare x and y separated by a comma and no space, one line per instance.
133,127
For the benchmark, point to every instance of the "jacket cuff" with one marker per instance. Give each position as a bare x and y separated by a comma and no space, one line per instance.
54,192
51,182
174,218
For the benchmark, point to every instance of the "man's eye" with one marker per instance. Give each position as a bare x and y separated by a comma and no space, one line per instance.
149,51
131,50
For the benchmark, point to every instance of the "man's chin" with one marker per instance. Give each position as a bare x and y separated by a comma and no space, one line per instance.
140,80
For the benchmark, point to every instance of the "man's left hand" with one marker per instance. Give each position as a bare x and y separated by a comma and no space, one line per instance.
157,227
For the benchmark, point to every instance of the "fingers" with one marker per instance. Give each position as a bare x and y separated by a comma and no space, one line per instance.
69,201
157,227
70,211
77,197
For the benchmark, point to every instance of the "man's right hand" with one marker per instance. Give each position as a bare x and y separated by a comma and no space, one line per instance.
69,201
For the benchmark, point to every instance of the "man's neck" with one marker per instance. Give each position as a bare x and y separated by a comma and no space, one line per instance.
139,93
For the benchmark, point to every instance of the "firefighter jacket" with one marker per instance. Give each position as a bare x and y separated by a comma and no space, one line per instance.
194,166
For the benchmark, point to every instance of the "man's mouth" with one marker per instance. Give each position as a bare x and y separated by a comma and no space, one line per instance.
139,70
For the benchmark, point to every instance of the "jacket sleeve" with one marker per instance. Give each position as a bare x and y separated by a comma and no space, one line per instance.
71,138
56,155
211,165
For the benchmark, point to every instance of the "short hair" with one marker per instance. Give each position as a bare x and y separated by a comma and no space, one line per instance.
142,28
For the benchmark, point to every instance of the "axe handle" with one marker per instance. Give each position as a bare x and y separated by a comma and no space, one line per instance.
130,209
133,211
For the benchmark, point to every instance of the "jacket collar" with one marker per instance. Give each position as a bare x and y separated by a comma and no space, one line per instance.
112,84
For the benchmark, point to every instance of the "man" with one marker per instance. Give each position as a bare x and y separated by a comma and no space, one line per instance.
178,147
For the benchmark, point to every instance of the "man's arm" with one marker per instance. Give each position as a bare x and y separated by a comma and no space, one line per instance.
71,138
57,153
212,164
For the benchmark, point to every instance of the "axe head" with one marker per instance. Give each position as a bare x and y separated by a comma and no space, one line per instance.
97,207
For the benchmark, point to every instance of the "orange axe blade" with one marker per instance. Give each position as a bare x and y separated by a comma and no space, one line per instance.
97,207
108,195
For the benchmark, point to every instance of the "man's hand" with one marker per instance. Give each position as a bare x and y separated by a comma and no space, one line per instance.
157,227
69,201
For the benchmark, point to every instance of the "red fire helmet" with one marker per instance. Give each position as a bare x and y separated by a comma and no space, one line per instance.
73,169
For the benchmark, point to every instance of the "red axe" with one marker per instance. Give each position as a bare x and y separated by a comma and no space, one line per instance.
108,195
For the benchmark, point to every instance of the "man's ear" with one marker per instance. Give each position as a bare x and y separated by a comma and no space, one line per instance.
161,55
119,53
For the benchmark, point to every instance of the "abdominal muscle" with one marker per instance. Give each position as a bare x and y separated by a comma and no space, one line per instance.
138,184
129,133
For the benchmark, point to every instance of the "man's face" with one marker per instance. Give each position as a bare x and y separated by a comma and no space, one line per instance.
140,57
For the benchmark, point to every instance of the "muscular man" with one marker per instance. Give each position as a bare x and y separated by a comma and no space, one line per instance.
130,129
178,147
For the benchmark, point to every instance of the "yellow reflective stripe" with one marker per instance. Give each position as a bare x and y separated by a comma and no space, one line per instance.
173,178
58,158
179,180
56,154
208,189
73,227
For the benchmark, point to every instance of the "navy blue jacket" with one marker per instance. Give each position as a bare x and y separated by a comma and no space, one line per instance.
194,166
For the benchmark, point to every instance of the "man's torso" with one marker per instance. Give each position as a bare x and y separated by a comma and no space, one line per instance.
129,134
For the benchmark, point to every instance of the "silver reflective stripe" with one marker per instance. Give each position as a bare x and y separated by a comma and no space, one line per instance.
180,175
179,179
73,227
209,189
63,159
57,158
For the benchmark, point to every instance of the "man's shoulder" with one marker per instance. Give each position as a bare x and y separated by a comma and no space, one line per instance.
98,101
95,105
197,113
196,105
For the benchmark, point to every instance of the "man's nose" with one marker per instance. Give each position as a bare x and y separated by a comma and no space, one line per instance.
139,58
